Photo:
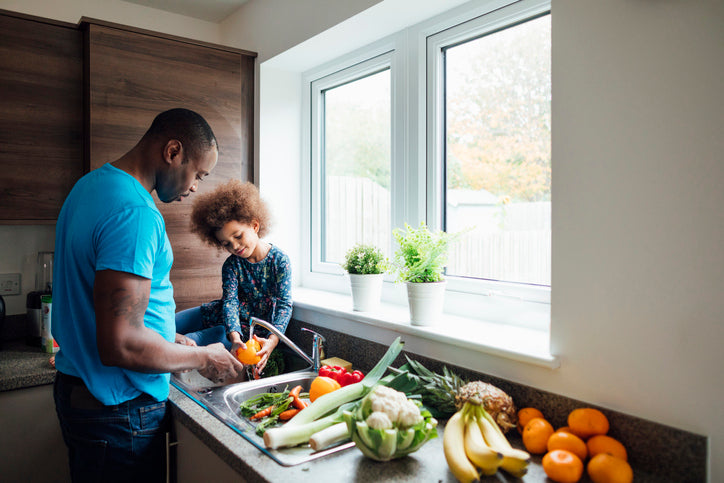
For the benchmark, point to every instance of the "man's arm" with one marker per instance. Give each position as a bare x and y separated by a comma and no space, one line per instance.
120,300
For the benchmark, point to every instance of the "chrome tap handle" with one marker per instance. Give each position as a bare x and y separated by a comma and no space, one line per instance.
318,341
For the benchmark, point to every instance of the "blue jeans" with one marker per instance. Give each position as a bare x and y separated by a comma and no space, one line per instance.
125,442
189,322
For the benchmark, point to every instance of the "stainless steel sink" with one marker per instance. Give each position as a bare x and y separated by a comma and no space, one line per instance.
223,402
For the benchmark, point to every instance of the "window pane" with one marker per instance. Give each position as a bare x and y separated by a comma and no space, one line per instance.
356,166
498,155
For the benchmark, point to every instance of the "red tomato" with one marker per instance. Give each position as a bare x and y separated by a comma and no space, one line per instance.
358,375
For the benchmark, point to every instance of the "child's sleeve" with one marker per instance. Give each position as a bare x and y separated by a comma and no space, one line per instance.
283,288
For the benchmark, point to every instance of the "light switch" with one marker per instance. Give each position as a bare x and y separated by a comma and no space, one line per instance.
10,284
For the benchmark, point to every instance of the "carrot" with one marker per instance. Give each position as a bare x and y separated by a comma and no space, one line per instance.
288,414
263,413
296,402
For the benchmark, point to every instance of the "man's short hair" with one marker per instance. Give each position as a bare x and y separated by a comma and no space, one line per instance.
186,126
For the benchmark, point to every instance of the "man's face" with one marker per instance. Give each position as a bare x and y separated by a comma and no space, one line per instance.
184,174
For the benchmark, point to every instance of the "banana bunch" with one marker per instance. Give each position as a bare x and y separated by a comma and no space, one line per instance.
474,444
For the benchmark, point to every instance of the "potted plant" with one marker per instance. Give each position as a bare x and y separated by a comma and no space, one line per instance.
420,259
365,265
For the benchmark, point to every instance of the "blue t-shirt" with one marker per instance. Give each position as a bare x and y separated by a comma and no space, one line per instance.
109,222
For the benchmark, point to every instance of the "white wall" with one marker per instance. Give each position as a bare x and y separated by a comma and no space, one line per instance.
119,12
638,230
270,27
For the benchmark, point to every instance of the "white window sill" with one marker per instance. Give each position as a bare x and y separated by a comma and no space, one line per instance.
448,341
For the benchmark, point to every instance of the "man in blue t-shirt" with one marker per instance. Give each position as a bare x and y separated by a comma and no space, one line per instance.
113,306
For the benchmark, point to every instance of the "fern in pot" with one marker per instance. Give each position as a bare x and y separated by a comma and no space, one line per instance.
365,265
419,261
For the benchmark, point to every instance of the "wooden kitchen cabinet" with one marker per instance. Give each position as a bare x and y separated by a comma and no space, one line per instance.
132,75
41,119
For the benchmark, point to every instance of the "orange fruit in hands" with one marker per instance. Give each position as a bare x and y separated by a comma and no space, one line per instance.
525,415
604,468
562,466
536,434
569,442
322,385
248,356
587,422
606,444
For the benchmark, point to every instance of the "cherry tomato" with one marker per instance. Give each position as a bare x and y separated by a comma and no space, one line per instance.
358,376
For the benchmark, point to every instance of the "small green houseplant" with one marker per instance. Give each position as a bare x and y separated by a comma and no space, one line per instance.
365,265
364,259
421,254
420,260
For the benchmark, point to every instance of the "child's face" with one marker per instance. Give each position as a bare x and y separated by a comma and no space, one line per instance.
240,239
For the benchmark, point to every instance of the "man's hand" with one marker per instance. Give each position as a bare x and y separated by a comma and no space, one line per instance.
220,364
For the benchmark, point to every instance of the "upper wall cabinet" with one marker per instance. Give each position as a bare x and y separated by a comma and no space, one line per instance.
131,76
41,117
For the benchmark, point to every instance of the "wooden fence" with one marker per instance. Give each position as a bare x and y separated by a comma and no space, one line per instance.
358,210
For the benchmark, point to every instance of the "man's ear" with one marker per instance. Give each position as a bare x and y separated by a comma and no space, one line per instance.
173,152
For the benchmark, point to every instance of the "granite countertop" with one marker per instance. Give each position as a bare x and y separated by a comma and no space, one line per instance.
24,366
426,464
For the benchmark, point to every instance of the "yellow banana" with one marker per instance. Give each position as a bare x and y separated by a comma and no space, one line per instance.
482,455
454,445
515,461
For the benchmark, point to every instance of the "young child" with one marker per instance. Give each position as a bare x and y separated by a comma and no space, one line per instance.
256,277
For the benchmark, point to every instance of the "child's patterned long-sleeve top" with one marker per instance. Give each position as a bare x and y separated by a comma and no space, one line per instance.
262,290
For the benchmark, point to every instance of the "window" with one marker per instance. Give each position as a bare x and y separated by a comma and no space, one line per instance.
352,121
496,125
448,124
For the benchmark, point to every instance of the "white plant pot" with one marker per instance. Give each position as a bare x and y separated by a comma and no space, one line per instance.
366,291
425,300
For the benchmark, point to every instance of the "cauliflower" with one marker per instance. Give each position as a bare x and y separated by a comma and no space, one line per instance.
395,406
387,425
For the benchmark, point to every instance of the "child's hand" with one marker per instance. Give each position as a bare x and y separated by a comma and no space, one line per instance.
267,346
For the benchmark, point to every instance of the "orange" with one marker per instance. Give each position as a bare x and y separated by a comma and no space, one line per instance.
525,415
569,442
249,356
322,385
604,468
562,466
587,422
536,434
606,444
564,429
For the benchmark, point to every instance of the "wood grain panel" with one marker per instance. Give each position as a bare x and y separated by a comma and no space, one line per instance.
131,77
41,120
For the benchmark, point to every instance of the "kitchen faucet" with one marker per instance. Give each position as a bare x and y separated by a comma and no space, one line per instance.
317,342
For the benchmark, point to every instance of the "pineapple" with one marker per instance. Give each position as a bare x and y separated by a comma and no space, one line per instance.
447,392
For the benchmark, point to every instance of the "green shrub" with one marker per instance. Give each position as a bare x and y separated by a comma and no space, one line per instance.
364,259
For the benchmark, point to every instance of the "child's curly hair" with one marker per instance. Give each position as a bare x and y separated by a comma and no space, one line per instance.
232,201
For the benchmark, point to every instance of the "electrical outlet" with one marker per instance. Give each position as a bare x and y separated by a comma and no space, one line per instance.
10,284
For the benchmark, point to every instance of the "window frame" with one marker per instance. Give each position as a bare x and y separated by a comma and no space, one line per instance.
477,27
344,76
416,171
